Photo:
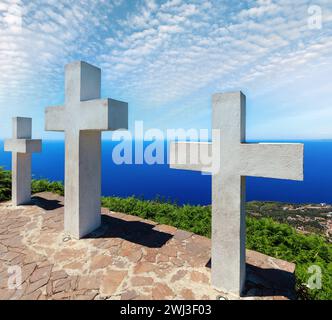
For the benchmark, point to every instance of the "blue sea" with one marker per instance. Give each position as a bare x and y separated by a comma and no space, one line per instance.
187,187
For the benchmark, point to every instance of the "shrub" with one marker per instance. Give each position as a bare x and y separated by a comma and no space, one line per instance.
196,219
36,185
5,184
47,186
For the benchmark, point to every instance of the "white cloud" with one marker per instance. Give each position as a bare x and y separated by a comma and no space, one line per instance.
264,8
159,53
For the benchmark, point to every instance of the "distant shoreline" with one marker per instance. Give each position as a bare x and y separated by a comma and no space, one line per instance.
190,187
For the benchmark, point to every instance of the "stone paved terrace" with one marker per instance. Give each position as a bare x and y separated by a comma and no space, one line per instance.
127,258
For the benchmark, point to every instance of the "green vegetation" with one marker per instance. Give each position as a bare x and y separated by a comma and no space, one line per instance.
282,241
5,184
196,219
47,186
264,234
36,185
306,217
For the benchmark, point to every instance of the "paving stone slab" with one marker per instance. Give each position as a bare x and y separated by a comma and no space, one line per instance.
152,262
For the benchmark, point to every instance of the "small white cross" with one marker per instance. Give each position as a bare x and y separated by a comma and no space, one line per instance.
22,146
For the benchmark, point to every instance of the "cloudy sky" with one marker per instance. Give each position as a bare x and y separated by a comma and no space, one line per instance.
166,58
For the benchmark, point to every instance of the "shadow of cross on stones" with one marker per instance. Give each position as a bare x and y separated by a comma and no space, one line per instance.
137,232
134,231
264,278
46,204
269,282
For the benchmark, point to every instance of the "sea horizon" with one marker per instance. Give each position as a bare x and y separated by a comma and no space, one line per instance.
188,187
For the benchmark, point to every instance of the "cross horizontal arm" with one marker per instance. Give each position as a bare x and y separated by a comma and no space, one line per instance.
195,156
268,160
103,114
23,145
55,119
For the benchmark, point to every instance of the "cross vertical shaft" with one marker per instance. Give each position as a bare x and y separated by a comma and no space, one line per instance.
83,149
228,195
82,182
21,178
21,164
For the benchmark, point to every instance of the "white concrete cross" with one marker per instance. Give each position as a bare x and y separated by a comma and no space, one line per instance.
82,119
22,146
237,160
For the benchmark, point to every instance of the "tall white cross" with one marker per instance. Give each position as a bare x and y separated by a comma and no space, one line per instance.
237,160
82,119
22,146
